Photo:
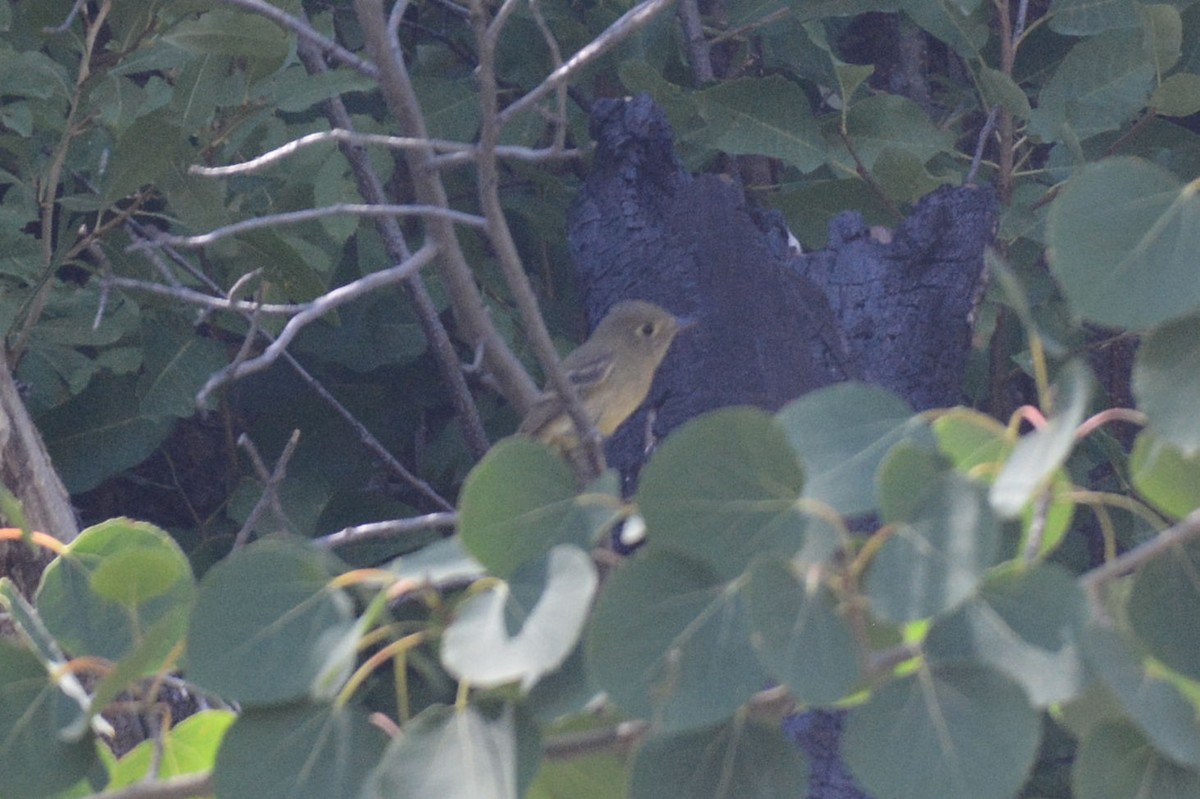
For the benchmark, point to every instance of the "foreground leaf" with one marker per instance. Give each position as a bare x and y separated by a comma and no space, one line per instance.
971,730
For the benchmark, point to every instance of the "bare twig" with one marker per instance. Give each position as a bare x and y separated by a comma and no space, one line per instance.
366,437
193,297
1176,535
697,45
560,94
453,152
382,531
980,145
628,24
371,189
469,310
271,481
66,23
499,234
317,308
302,29
309,214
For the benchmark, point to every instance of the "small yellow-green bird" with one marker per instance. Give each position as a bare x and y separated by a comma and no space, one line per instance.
612,372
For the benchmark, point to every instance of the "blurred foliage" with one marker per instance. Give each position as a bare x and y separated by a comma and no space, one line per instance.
935,574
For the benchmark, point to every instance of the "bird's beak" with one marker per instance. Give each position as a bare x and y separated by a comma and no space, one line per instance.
682,323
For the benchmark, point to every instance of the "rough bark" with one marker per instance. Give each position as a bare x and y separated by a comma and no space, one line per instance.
25,470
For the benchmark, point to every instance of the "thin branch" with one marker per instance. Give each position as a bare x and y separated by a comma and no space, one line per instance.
365,437
193,297
371,189
383,531
560,94
980,145
1174,536
272,480
317,308
1109,415
628,24
308,214
619,736
66,23
172,788
470,312
505,249
457,152
302,29
697,45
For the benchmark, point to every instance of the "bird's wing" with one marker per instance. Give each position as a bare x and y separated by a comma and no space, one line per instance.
589,372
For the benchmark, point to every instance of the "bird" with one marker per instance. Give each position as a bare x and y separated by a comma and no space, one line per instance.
611,372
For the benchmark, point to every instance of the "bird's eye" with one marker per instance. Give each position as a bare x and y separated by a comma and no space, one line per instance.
647,329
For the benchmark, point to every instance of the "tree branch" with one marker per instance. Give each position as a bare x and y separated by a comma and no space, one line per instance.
469,309
309,214
318,307
306,33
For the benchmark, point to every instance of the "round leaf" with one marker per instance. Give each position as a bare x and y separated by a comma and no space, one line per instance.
520,501
1025,624
114,584
749,760
268,628
1166,382
1154,704
802,638
1164,476
1116,762
37,761
450,752
1123,238
957,731
724,488
841,433
935,558
477,646
299,751
670,642
1164,607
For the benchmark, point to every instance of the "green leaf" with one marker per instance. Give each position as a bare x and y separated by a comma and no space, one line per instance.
478,648
746,759
965,31
999,89
37,761
114,584
1163,713
670,642
971,730
1086,17
761,116
601,775
888,122
188,747
937,555
1164,476
1100,85
450,752
268,628
1163,30
520,501
1023,623
1164,606
724,488
178,362
298,751
802,638
233,33
1040,454
1166,382
296,89
1178,95
450,107
842,433
1123,235
1115,761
